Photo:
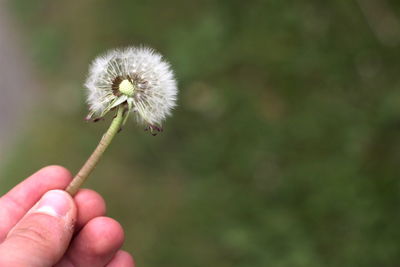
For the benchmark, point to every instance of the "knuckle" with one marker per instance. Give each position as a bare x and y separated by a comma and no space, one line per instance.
32,234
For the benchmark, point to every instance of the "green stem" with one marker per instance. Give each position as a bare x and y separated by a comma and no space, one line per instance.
90,164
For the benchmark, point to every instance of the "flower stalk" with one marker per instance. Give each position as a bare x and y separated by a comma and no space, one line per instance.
94,158
133,80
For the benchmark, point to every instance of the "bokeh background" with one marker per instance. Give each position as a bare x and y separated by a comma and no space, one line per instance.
284,149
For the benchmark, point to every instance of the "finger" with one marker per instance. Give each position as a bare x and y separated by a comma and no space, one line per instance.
121,258
21,198
95,245
43,235
90,205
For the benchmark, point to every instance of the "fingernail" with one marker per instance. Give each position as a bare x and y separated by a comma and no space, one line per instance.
54,203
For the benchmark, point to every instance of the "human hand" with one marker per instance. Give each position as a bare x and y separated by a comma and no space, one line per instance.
43,227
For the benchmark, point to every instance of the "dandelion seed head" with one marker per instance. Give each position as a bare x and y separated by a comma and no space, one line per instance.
136,77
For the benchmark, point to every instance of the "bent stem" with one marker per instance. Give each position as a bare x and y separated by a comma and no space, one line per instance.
90,164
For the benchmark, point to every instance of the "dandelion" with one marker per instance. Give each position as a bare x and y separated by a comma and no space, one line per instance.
130,80
135,77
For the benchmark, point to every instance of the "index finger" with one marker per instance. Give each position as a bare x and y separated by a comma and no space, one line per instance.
22,197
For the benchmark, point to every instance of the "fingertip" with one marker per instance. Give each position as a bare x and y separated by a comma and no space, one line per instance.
55,172
104,234
55,176
90,205
96,243
56,203
122,258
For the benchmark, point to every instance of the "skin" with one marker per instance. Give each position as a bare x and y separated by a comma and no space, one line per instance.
83,237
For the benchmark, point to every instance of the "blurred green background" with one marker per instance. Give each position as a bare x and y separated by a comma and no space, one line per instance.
284,149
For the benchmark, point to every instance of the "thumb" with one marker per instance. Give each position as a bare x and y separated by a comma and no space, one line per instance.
43,234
